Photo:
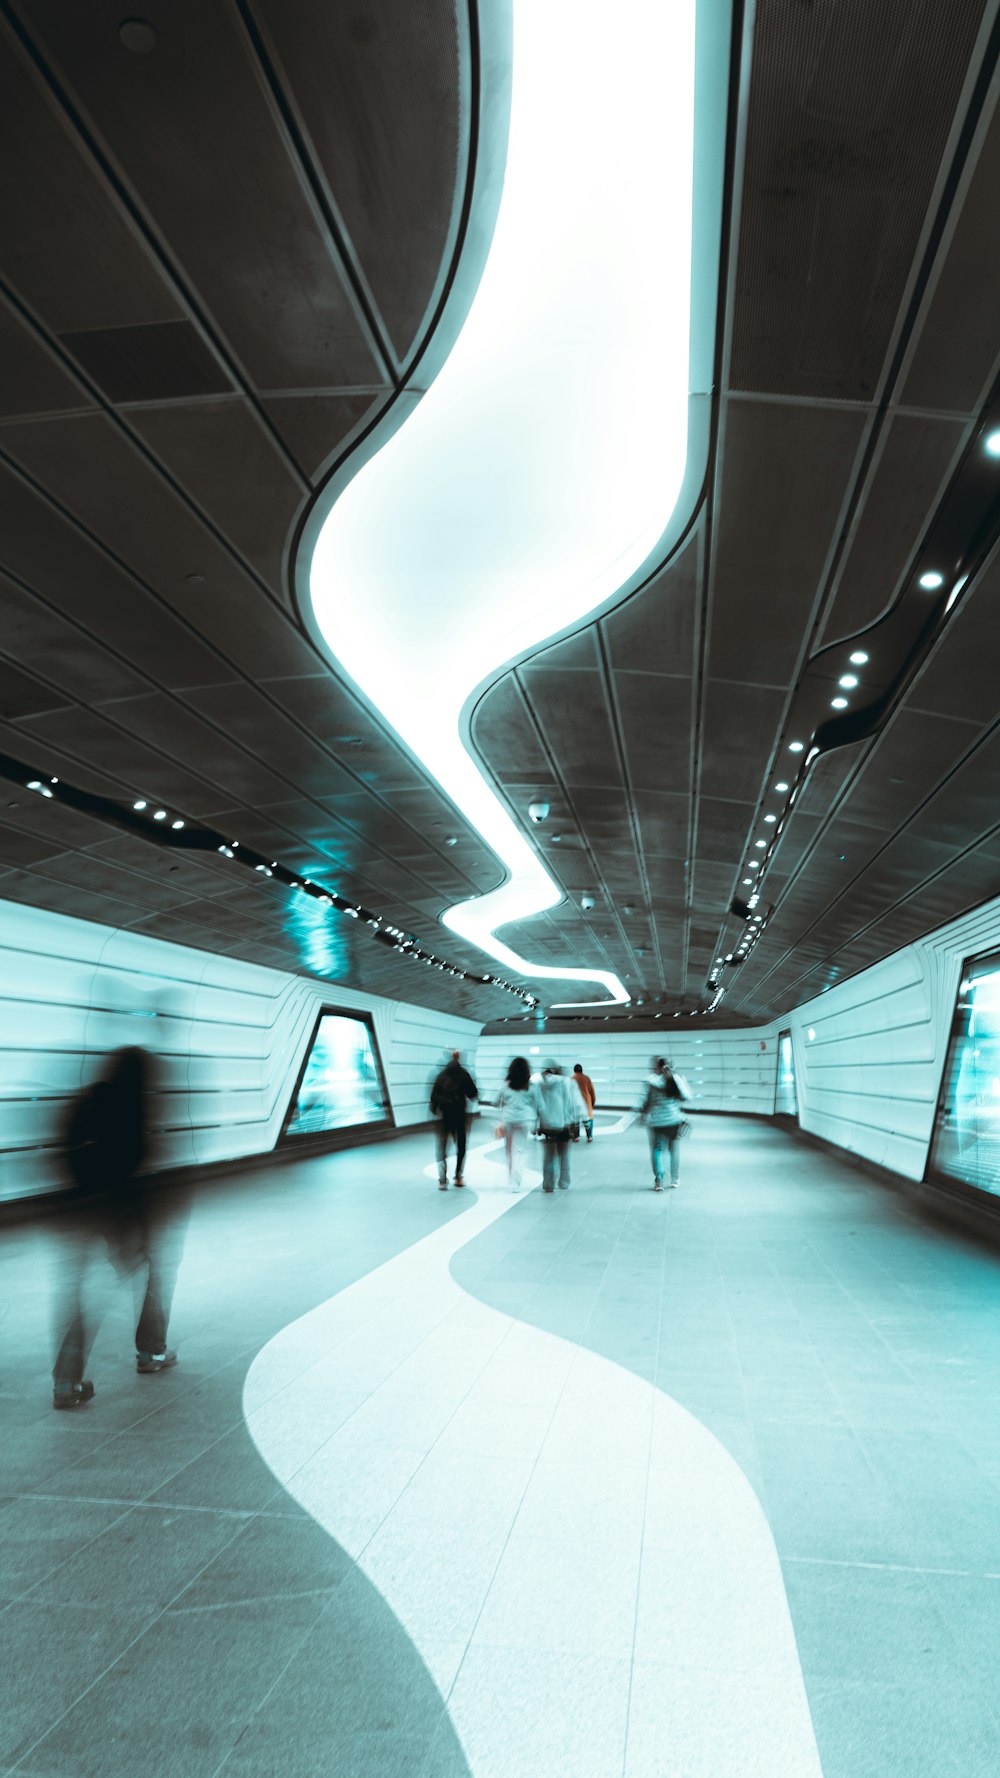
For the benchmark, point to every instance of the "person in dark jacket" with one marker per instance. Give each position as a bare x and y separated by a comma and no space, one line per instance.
111,1202
453,1092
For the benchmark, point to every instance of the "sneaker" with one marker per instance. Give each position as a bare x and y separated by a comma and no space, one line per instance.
72,1395
657,1185
674,1183
460,1182
148,1362
442,1185
564,1185
546,1188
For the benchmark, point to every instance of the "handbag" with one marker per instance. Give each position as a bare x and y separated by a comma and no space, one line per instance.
683,1129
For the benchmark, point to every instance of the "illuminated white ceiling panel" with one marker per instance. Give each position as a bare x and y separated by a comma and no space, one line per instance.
539,472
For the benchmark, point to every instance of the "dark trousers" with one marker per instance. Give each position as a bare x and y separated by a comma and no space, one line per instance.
144,1247
454,1129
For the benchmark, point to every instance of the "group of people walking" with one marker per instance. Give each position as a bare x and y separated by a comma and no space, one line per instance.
555,1107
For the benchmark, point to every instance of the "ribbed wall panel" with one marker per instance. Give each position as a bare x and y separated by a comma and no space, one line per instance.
231,1037
726,1070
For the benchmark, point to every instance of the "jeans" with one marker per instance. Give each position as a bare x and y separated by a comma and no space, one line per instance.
588,1124
450,1127
555,1164
515,1138
663,1136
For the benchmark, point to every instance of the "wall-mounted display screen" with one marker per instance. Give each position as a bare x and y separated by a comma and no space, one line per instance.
966,1144
785,1099
341,1084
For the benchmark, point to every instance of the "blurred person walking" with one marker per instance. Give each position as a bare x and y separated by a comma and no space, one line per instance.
451,1095
585,1088
559,1108
661,1110
112,1205
517,1114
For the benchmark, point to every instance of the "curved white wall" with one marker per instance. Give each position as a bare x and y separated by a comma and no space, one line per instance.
231,1037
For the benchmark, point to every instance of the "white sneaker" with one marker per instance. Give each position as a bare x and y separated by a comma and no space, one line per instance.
442,1185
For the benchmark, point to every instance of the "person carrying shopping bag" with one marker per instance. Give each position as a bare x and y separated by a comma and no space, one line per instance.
661,1110
517,1116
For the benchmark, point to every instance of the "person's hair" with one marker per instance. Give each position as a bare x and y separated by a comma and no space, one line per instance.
552,1066
577,1067
519,1074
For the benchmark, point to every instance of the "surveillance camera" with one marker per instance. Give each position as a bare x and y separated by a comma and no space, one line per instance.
586,901
538,812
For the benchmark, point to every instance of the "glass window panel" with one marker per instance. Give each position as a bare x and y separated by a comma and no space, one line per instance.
966,1143
341,1085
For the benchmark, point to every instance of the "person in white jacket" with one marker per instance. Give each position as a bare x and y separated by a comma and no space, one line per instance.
559,1108
661,1110
517,1116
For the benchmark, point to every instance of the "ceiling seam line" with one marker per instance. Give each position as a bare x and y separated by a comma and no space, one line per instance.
203,642
299,154
565,792
150,236
985,736
626,776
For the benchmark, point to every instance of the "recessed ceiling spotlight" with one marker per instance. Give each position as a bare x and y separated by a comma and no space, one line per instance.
748,879
138,36
176,824
931,580
452,840
159,814
781,788
796,746
838,703
770,818
751,864
760,844
859,658
848,681
42,789
141,804
991,444
227,851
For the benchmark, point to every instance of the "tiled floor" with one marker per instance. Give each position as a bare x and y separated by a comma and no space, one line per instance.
492,1465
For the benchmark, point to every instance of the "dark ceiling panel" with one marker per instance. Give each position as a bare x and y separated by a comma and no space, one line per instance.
956,350
785,471
217,182
654,630
67,251
740,727
916,458
31,379
42,640
839,176
316,427
573,716
159,361
115,491
654,714
84,735
221,455
378,87
507,738
23,695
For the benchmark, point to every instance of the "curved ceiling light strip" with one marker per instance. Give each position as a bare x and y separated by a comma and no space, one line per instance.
536,477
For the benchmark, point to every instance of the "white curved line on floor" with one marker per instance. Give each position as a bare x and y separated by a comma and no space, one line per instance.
586,1573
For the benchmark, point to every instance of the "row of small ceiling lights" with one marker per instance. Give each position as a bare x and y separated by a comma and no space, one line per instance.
400,941
930,581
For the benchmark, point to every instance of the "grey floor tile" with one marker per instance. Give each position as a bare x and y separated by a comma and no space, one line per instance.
183,1693
268,1558
39,1535
903,1731
145,1559
49,1656
868,1624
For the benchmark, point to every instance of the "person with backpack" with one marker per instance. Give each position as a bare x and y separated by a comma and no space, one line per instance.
661,1110
453,1092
